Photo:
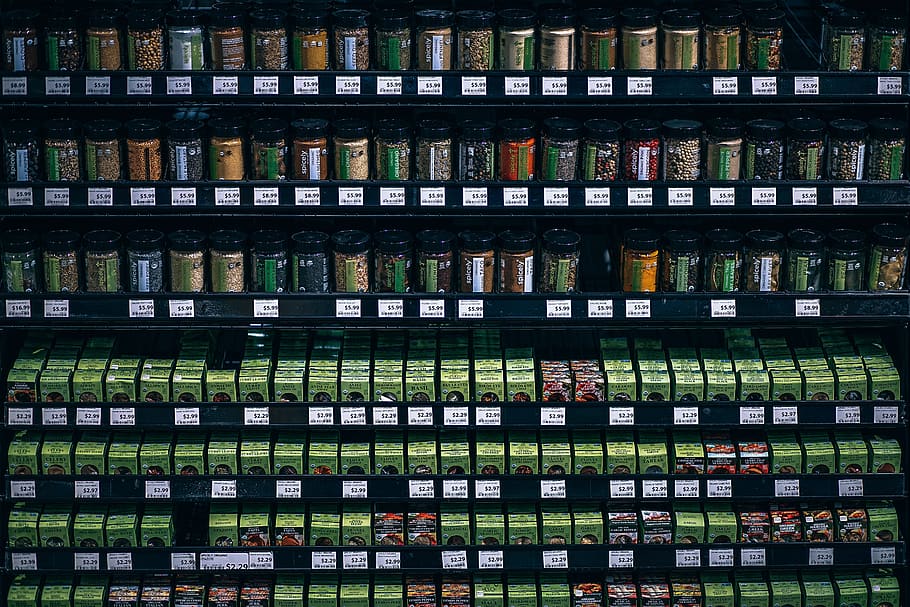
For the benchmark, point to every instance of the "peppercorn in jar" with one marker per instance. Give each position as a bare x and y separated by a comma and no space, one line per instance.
845,41
601,160
847,149
310,262
764,150
642,150
185,152
145,258
145,48
682,150
724,149
269,262
21,262
21,152
846,260
20,40
476,151
64,43
640,260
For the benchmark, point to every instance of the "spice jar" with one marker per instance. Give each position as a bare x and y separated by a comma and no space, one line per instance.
186,257
435,262
225,149
145,256
352,40
21,151
435,34
680,261
680,30
805,148
887,148
184,142
517,149
599,39
145,40
516,261
805,261
352,158
63,43
887,41
476,151
62,160
228,261
269,262
310,149
394,260
227,38
434,150
682,150
725,148
846,260
62,271
887,261
102,150
639,39
102,261
723,39
20,40
764,150
723,261
352,261
310,262
601,154
559,261
268,40
268,149
392,155
143,149
764,254
560,149
764,39
639,261
517,41
184,31
642,150
393,40
477,260
310,40
21,261
557,40
845,41
102,37
475,40
847,149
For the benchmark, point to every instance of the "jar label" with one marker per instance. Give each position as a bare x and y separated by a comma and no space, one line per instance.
884,57
604,45
682,274
345,164
436,62
22,165
724,162
477,273
732,44
431,275
812,163
180,162
764,53
562,276
52,271
350,275
94,53
350,53
14,281
528,54
111,275
897,159
53,58
18,54
750,161
839,280
315,170
142,273
552,163
764,279
401,276
393,167
529,275
644,163
729,277
844,54
875,268
394,53
802,274
53,170
269,282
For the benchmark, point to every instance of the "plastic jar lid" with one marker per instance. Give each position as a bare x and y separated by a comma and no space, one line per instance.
888,19
680,17
806,239
682,129
847,19
765,239
21,18
144,19
226,127
101,240
393,129
267,18
102,130
517,241
186,240
762,129
184,18
20,129
517,129
58,23
310,128
309,18
724,17
642,129
393,241
683,240
890,234
476,240
641,239
392,20
352,128
725,128
765,17
806,128
141,129
434,129
269,241
477,129
562,128
887,127
145,240
62,241
639,17
557,17
845,238
561,241
61,128
599,18
103,18
351,18
723,239
227,15
228,240
475,20
185,129
351,241
848,128
435,241
310,241
269,129
601,128
19,241
434,18
517,18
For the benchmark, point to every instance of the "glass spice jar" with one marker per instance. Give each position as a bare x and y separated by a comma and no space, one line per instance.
599,39
310,262
887,149
642,150
764,39
725,148
268,40
639,260
227,38
517,39
435,262
394,260
805,148
682,150
763,259
805,261
723,39
352,40
352,157
102,37
888,258
62,150
269,262
639,38
20,40
517,149
143,150
227,261
310,149
310,40
226,149
145,257
62,269
516,261
102,261
847,149
601,151
268,149
560,140
435,36
351,251
559,259
393,40
557,40
846,260
434,150
186,261
21,262
680,261
477,261
185,156
102,150
476,151
723,260
764,156
392,151
145,41
64,43
887,41
845,41
680,38
475,40
21,151
184,32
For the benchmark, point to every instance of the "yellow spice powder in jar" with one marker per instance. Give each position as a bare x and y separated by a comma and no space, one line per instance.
310,41
226,149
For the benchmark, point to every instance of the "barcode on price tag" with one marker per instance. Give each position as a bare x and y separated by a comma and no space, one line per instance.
324,560
597,197
353,416
640,197
624,489
86,561
720,557
429,85
474,197
473,86
123,416
890,85
179,85
805,197
157,490
686,488
391,308
556,197
265,197
350,197
388,85
432,197
764,85
321,416
598,85
181,308
764,197
555,86
18,308
227,197
307,197
517,86
600,308
821,557
883,555
142,197
262,560
385,416
24,561
183,197
455,416
142,308
224,489
20,417
56,308
636,86
515,197
22,489
723,308
88,416
265,85
722,197
186,416
885,415
432,308
845,197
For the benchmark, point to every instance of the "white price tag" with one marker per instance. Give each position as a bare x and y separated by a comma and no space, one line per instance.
455,416
850,487
551,86
515,197
347,85
20,417
179,85
20,197
350,197
640,197
432,197
321,416
183,561
353,416
686,488
722,197
354,490
432,308
87,561
100,197
890,85
688,558
680,197
785,415
183,197
420,416
805,197
885,415
555,559
57,197
598,85
307,85
654,489
553,416
752,557
56,308
553,489
354,560
123,416
181,308
142,197
22,489
473,86
751,416
640,85
808,307
157,490
723,308
486,490
265,85
307,197
883,555
455,490
388,85
18,308
224,489
385,416
225,85
388,560
231,561
97,85
516,86
821,557
454,559
638,308
265,308
556,197
142,308
429,85
347,308
54,417
391,197
421,489
470,308
262,560
288,490
227,197
139,85
597,197
474,197
24,561
256,416
90,490
720,557
805,85
624,489
722,489
488,416
725,85
845,197
621,559
559,308
15,85
265,197
88,417
622,416
324,560
786,487
490,559
391,308
600,308
847,415
764,197
764,85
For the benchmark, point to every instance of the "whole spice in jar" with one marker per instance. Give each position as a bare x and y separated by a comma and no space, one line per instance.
226,149
559,160
227,38
269,262
763,258
887,41
888,259
310,262
601,151
517,40
887,149
351,251
227,261
145,256
680,263
476,150
20,40
268,40
475,40
64,40
559,257
143,149
846,260
392,155
723,39
477,260
805,148
268,149
145,40
102,150
680,31
725,148
517,149
516,261
185,156
184,32
764,39
21,151
310,149
352,39
102,37
21,262
845,41
62,270
682,150
352,158
639,39
393,40
435,37
394,260
102,261
599,39
62,157
847,149
639,261
434,150
435,262
310,40
723,260
557,40
642,150
764,150
805,261
186,261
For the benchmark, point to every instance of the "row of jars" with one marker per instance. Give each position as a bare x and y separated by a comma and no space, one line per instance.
433,149
764,261
268,261
230,38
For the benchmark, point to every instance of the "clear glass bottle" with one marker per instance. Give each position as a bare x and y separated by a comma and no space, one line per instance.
475,40
723,260
601,152
351,148
476,151
887,41
269,262
268,149
887,149
394,261
393,40
477,261
310,262
392,150
764,154
846,260
724,149
682,150
185,36
186,261
20,40
186,161
517,149
559,257
681,39
352,39
435,31
227,261
21,262
62,150
888,258
268,39
102,261
723,39
435,155
145,48
599,39
227,38
516,261
517,39
640,257
764,260
764,39
805,261
845,41
847,149
102,150
226,149
62,267
21,151
351,252
805,148
103,41
680,262
64,43
642,150
310,40
145,257
558,40
143,150
639,38
310,149
559,161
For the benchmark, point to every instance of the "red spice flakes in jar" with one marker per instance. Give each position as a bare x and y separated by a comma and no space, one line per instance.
642,150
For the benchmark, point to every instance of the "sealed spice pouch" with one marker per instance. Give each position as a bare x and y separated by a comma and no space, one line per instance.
752,592
653,457
522,592
422,528
223,525
323,592
686,592
422,453
587,594
786,453
522,521
654,591
620,453
157,528
882,522
388,528
622,528
388,453
657,527
852,454
524,457
557,526
125,593
721,455
785,589
818,525
820,454
852,525
755,527
786,526
290,525
621,591
325,527
851,589
587,452
355,458
456,593
884,589
689,453
722,527
489,526
421,592
818,590
323,453
718,591
387,592
254,526
689,527
490,449
753,457
455,526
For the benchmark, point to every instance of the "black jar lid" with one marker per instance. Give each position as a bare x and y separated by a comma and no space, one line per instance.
392,20
62,241
352,128
888,18
639,17
61,128
562,241
227,15
680,17
267,18
517,18
601,128
477,129
723,239
393,129
846,238
144,19
890,234
725,128
474,20
306,17
185,128
310,128
19,129
641,239
310,241
351,18
765,17
557,17
599,18
762,128
639,128
887,127
765,239
848,128
143,129
682,129
227,240
517,241
517,129
806,128
269,241
23,17
145,240
269,129
102,130
683,240
434,129
725,16
476,240
184,17
103,18
435,241
434,18
562,128
226,127
351,241
806,239
393,242
186,240
101,240
847,18
19,241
